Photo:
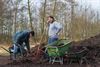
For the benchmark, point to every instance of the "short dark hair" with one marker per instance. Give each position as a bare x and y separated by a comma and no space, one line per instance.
32,33
52,17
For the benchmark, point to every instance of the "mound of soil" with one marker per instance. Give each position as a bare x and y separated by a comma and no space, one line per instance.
92,44
92,41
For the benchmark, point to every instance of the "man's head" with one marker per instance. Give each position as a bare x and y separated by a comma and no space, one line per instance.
50,19
31,33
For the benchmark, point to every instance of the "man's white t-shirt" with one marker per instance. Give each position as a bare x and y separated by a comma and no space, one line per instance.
54,28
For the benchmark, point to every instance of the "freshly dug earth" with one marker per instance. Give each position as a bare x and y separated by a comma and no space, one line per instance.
92,41
93,46
36,59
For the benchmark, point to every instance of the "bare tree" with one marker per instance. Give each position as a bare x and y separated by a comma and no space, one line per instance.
30,16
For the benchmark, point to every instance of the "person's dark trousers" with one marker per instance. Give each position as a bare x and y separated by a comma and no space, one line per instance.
20,45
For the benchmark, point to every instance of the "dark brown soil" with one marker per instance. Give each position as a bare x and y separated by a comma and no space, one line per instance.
4,62
93,56
92,41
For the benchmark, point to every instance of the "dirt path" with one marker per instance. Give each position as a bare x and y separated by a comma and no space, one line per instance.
4,60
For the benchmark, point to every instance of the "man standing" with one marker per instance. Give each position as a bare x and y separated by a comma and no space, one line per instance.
54,29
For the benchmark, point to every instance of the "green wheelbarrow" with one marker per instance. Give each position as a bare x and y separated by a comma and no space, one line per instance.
57,50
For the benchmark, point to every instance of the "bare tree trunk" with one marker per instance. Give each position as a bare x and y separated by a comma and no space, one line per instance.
43,29
44,11
72,20
54,9
30,16
15,17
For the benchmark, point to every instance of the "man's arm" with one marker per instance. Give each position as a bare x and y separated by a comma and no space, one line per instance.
59,27
58,31
27,45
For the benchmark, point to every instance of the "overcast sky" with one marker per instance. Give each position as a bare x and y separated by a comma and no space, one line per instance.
95,4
